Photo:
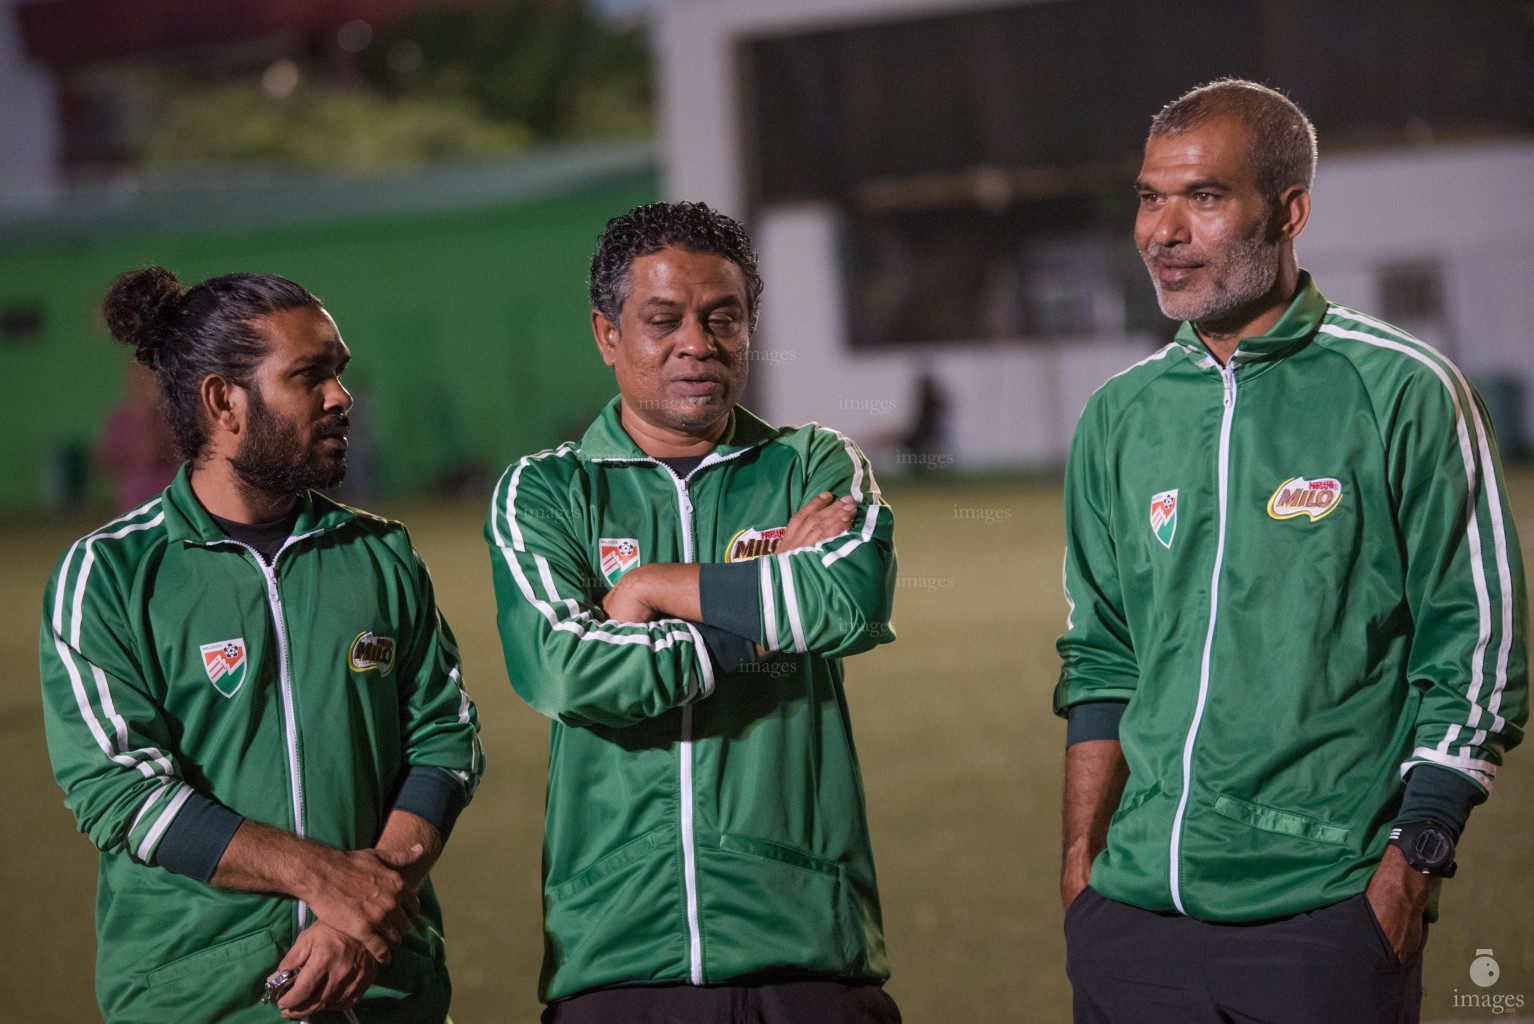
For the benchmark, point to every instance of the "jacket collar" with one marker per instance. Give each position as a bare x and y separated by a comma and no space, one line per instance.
186,519
1294,329
606,440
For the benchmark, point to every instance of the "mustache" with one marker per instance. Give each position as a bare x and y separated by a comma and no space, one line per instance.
336,426
1178,254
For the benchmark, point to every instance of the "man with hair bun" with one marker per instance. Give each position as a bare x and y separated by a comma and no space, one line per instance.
677,591
1295,655
252,705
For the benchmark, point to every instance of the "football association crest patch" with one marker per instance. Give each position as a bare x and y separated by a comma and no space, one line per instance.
370,653
619,555
1163,516
749,544
225,664
1301,497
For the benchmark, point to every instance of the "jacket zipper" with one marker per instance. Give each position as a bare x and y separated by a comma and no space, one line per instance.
289,717
689,851
1228,377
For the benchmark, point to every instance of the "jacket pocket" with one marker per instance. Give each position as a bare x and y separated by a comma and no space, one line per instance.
765,905
774,851
222,982
1271,819
622,857
221,960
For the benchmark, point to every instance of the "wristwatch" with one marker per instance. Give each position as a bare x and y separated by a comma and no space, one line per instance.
1428,847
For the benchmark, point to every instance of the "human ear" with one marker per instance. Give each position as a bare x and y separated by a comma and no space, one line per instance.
606,334
1291,212
224,404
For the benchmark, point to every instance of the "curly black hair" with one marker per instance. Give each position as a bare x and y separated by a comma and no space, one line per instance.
185,335
646,230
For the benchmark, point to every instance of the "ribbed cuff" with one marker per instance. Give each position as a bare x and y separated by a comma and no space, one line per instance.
730,596
1093,720
1438,795
432,794
730,653
197,838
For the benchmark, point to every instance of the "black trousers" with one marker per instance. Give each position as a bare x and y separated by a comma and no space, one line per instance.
1133,966
771,1002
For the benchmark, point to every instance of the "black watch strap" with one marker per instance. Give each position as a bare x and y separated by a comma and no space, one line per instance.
1427,846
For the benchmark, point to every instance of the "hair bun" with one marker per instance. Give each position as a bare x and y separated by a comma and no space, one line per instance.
137,306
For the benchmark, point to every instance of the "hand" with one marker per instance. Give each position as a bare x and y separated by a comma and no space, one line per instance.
1398,895
1073,880
334,971
822,517
628,601
362,894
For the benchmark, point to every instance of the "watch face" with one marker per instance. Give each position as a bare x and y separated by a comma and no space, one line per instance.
1432,847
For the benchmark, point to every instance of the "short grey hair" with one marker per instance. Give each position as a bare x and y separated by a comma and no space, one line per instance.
1282,139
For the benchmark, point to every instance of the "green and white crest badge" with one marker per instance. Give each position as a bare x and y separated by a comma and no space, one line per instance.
1163,516
225,664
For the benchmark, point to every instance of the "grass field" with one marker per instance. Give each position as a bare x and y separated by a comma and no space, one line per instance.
960,754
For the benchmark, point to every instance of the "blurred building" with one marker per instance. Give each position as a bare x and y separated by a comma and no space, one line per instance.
460,290
68,118
940,189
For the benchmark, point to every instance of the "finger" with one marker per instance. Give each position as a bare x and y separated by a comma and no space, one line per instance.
351,993
376,944
815,504
403,858
410,903
296,958
299,998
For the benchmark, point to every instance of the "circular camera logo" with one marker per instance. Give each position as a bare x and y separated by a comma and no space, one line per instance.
1484,970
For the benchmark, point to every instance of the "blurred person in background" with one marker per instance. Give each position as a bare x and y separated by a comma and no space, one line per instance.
136,448
252,704
677,591
1297,620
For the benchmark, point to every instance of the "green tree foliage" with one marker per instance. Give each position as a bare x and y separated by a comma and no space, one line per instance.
326,129
558,68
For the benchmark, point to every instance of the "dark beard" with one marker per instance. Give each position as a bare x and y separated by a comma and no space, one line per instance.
272,459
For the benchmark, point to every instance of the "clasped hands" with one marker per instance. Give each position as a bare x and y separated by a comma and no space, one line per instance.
364,904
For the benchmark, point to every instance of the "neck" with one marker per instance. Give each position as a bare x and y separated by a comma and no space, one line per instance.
668,442
1222,334
224,494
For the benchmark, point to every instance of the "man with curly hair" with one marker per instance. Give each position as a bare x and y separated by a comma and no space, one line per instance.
706,851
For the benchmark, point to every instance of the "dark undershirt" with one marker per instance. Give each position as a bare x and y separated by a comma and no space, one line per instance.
681,465
266,538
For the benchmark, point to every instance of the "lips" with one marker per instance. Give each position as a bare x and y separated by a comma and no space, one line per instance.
698,385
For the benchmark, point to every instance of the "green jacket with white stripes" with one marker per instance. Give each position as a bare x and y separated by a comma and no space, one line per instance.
188,685
705,815
1301,573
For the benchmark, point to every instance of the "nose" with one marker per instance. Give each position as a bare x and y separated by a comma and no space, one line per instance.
337,398
1169,224
694,339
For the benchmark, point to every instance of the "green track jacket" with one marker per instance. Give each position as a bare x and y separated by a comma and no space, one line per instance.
179,672
700,826
1301,573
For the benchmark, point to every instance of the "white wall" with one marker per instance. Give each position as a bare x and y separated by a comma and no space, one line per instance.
1470,207
1008,404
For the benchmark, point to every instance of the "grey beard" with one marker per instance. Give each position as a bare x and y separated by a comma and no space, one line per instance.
1251,267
